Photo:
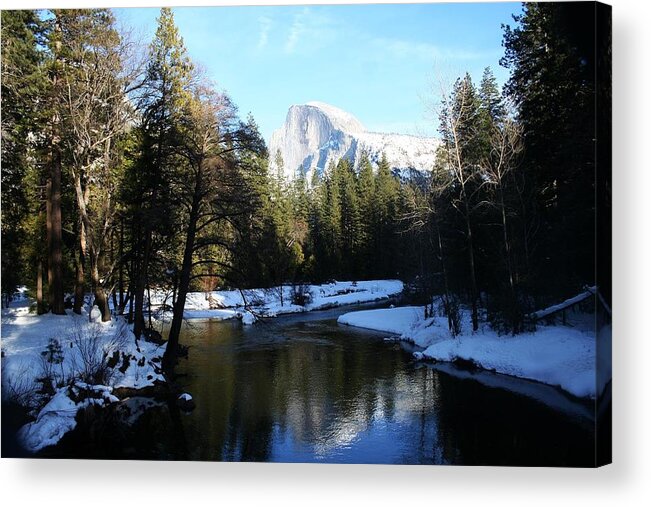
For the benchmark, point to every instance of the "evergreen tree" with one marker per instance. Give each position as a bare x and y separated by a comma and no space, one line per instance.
164,95
550,53
385,198
350,219
491,101
366,195
23,86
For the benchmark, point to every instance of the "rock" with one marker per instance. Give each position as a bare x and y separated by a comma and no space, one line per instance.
159,391
185,402
153,336
314,134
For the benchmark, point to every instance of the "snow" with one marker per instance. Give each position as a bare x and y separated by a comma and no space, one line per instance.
561,356
251,303
401,320
26,336
58,416
554,355
248,318
315,134
54,421
95,314
185,397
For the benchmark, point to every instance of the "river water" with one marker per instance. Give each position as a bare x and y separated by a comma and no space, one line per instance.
302,388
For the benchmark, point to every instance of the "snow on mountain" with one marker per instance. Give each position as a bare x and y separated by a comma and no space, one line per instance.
315,134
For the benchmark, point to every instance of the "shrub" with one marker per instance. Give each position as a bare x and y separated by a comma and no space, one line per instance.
90,362
301,294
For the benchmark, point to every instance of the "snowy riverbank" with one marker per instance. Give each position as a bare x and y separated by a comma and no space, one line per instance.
562,356
252,303
55,365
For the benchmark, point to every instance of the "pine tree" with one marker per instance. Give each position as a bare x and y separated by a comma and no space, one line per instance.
366,194
385,197
350,218
490,98
165,94
550,53
23,87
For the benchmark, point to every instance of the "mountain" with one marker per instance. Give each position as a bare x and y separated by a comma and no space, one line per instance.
314,134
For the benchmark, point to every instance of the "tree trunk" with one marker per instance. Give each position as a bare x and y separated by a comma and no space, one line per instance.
53,205
514,310
171,352
81,259
55,254
121,271
101,300
446,287
471,265
79,285
40,304
141,282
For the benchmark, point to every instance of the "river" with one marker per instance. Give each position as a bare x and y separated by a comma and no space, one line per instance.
302,388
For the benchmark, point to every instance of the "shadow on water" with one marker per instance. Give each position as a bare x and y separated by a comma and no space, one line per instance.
303,389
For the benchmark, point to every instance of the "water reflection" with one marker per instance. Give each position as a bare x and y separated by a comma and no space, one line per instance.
303,389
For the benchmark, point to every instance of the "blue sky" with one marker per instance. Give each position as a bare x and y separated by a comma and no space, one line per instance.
379,62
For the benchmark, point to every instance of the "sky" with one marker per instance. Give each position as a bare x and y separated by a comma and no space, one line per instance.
385,64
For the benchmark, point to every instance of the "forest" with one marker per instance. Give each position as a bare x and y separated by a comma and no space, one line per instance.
125,170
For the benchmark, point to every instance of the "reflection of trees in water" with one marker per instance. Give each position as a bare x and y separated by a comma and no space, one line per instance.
310,391
313,392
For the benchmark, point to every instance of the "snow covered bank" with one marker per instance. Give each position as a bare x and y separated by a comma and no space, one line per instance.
561,356
56,365
390,320
230,304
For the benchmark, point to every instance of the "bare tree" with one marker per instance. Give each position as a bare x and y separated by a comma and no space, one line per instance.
96,83
458,113
497,167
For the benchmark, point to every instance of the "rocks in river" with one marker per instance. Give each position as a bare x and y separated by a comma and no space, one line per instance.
185,402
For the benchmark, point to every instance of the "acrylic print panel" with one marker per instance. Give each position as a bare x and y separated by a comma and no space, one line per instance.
308,233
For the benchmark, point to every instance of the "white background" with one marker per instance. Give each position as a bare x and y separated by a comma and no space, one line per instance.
626,482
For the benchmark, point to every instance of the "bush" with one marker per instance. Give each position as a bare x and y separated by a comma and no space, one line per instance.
301,294
20,389
90,362
506,315
450,307
52,370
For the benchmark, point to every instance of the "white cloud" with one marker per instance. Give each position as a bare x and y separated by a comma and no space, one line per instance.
310,31
265,26
297,30
424,51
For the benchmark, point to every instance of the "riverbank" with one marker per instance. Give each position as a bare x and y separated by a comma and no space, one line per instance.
56,365
252,304
564,356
